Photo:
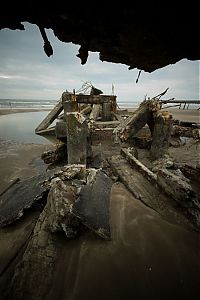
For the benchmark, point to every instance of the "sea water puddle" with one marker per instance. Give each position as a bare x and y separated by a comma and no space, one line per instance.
21,127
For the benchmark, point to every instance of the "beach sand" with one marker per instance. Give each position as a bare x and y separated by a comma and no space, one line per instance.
148,257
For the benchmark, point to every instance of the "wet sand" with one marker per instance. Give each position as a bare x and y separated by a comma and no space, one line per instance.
19,160
6,111
148,257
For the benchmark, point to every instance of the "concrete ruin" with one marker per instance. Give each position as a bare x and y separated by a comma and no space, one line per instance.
97,148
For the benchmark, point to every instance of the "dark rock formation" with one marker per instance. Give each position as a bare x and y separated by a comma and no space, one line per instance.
146,36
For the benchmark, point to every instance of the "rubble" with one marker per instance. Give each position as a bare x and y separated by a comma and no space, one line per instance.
57,155
92,205
74,197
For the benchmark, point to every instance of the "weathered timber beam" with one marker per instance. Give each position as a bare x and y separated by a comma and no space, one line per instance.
95,99
126,153
134,123
108,124
181,101
49,131
50,117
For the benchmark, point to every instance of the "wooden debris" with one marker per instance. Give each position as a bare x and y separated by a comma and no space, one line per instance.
128,154
141,116
50,117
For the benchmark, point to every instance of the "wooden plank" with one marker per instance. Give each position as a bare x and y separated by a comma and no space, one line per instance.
50,117
49,131
134,123
139,166
95,99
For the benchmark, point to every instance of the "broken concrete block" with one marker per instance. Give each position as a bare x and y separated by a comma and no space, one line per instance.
60,200
93,203
56,155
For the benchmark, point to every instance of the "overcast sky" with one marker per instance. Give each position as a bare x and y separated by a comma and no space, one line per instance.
27,73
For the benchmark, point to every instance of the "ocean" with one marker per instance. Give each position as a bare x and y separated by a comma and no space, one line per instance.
27,103
49,104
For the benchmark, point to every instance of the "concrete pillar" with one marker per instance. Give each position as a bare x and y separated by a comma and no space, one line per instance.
161,134
77,133
106,111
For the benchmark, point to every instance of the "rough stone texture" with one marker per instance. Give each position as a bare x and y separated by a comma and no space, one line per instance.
163,163
93,203
146,37
33,274
60,200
